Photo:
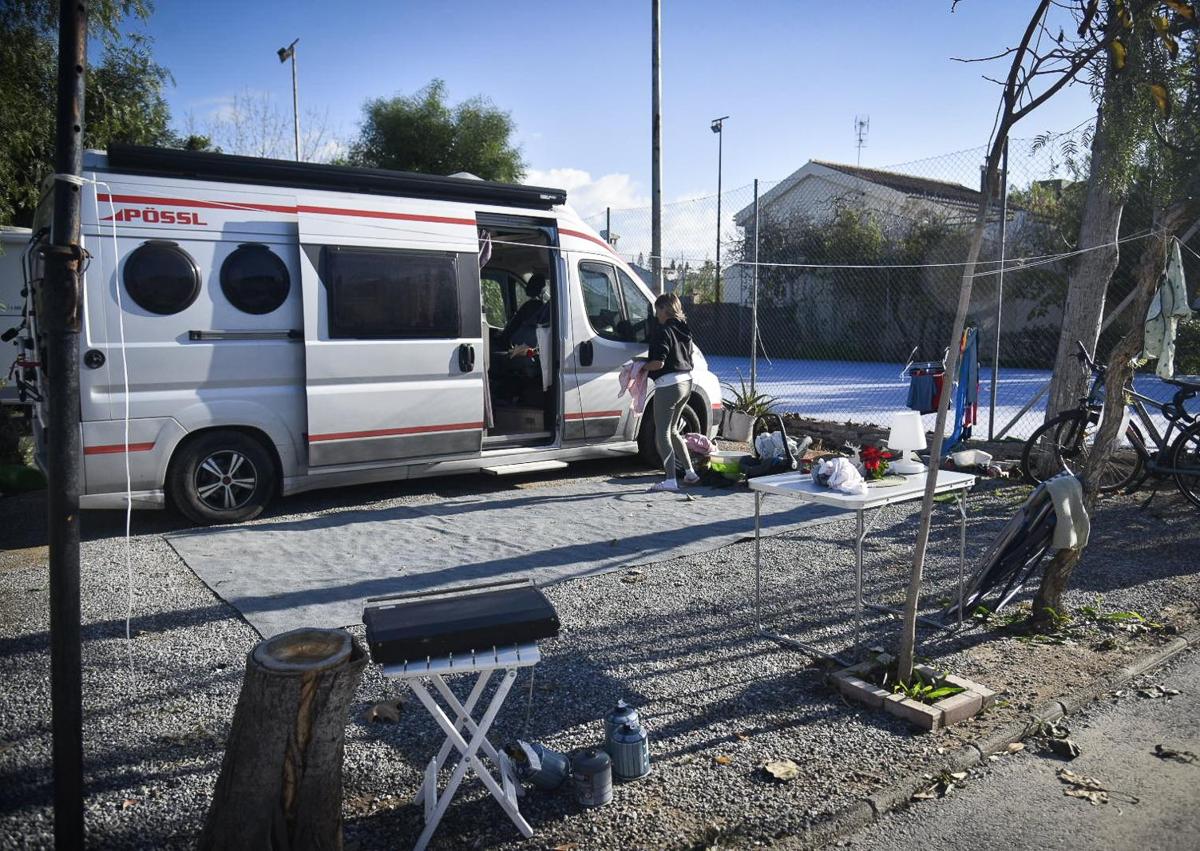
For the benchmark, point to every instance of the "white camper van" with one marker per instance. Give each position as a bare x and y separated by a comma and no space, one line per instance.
294,326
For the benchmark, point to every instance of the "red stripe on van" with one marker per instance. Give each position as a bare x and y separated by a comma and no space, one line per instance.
588,237
117,448
190,202
590,414
279,208
390,432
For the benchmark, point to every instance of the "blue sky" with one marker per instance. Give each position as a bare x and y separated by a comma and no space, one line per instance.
575,76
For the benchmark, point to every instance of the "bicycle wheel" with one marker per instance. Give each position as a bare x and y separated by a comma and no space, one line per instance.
1185,461
1066,443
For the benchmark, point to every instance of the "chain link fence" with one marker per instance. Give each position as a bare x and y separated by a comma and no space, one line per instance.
859,270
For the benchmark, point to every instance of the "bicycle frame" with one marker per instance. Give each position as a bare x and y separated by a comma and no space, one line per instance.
1174,412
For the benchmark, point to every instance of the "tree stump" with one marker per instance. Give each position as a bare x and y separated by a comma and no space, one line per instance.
280,785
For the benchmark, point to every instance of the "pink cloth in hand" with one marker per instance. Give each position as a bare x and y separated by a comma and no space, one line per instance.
634,381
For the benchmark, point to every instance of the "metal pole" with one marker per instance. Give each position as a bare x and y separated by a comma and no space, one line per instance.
656,145
295,103
754,301
61,319
608,225
999,293
720,146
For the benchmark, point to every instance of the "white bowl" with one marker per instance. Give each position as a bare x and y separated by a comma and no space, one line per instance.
971,458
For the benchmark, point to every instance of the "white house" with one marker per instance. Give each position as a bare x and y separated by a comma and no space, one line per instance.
817,189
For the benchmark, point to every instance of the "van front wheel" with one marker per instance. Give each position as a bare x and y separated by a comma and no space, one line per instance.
222,477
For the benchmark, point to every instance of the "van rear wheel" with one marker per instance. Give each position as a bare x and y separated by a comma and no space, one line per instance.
688,423
222,477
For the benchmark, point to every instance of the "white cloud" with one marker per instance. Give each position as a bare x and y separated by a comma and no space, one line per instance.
589,195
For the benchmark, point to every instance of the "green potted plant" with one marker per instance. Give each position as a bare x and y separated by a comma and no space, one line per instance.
742,408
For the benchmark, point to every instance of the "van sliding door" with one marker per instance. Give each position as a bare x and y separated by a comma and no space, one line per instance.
393,348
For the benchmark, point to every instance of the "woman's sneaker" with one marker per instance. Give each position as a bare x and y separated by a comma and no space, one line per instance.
669,486
690,477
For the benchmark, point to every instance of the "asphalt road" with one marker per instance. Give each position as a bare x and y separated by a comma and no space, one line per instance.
1018,800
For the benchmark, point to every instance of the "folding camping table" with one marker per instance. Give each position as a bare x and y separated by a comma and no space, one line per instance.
801,486
484,663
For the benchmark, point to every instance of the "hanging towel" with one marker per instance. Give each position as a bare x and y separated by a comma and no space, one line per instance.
1170,305
1072,525
633,379
485,247
923,391
545,347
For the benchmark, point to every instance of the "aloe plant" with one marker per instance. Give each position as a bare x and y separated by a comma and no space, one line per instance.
747,401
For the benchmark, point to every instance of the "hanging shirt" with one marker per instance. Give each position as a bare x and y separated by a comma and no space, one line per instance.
1170,305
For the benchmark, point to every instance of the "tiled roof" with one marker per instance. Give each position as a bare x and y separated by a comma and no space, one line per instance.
910,184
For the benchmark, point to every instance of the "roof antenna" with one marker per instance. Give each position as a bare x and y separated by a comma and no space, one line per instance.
862,127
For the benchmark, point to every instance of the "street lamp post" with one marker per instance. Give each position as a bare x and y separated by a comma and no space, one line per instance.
718,124
286,53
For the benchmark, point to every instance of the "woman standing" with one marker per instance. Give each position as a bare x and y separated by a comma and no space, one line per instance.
670,368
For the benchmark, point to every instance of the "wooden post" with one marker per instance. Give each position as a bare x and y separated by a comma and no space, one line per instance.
280,785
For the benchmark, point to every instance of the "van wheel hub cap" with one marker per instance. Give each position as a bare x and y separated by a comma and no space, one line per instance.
226,480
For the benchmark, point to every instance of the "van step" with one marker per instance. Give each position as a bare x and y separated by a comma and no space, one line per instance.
531,467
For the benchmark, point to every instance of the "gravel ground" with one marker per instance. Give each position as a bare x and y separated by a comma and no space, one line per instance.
675,639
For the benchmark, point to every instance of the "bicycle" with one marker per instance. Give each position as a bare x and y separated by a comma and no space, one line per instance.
1064,443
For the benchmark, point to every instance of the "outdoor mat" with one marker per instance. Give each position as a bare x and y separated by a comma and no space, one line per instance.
317,571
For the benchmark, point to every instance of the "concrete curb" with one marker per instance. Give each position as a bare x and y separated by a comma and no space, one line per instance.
898,795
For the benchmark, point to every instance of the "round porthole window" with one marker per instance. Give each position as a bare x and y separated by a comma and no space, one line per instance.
255,279
161,277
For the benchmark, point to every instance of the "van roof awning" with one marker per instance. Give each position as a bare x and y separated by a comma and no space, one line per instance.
202,165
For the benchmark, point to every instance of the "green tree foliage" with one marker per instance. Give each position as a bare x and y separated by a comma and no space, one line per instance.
423,133
124,99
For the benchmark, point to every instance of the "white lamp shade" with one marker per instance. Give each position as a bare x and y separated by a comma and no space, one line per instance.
908,432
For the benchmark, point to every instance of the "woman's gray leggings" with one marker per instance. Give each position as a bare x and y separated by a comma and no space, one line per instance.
668,405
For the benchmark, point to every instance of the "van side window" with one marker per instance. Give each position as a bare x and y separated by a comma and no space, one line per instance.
637,309
255,279
492,289
161,277
601,301
613,317
377,293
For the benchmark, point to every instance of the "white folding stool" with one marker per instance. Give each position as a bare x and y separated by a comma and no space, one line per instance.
483,664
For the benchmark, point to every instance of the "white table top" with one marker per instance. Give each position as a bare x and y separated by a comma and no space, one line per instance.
801,486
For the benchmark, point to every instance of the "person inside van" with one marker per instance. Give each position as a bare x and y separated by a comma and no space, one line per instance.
670,367
519,336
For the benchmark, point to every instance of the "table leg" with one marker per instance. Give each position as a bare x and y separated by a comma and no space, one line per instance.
860,534
758,498
880,607
463,715
778,638
962,549
469,758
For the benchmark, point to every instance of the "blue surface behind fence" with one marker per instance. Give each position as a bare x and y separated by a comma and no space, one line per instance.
865,392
